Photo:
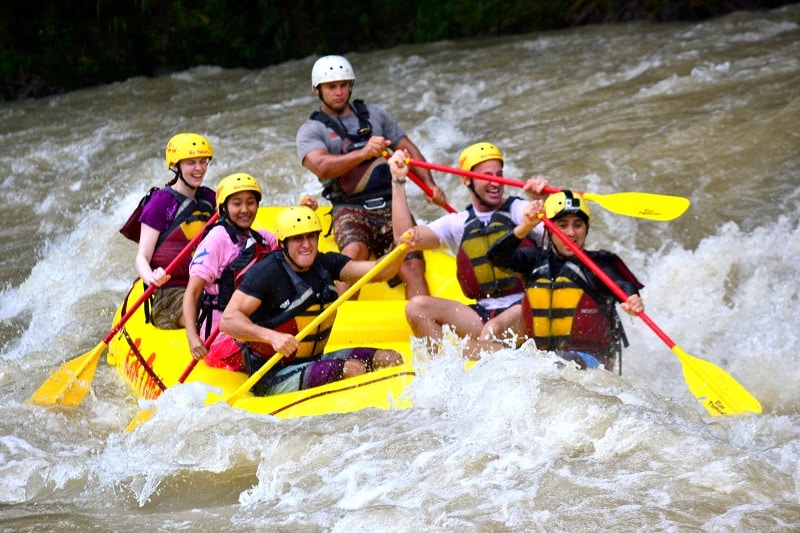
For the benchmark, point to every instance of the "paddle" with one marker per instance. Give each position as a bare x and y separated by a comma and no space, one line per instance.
633,204
355,287
145,414
427,190
719,393
422,185
69,384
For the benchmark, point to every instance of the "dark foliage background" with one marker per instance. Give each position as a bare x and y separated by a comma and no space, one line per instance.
52,46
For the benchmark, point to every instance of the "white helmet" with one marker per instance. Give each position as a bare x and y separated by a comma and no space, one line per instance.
331,68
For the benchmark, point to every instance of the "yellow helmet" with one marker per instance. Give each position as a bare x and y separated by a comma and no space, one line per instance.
296,220
186,146
565,203
478,153
236,183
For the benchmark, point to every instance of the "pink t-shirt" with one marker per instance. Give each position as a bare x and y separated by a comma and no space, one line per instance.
216,251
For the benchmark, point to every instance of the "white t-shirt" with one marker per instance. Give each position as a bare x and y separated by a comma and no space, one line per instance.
449,229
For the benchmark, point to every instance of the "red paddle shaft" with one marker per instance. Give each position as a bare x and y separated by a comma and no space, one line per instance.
616,289
477,175
207,344
152,288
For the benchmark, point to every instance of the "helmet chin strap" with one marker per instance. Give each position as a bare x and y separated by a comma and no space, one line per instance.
180,177
481,201
288,257
226,217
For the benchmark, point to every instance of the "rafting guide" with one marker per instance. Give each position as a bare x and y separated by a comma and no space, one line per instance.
343,143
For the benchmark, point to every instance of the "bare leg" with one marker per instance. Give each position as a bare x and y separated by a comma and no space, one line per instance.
475,347
427,314
412,272
384,358
504,325
495,333
352,368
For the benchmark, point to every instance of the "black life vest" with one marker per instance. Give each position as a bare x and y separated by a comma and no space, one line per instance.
476,274
255,250
299,312
369,180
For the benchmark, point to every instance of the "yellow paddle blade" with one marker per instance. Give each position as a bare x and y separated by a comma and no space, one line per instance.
141,417
641,204
719,393
69,384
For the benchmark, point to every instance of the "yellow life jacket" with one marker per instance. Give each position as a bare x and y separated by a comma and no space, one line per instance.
476,275
561,315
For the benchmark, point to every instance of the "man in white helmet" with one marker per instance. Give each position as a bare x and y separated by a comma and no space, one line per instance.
343,144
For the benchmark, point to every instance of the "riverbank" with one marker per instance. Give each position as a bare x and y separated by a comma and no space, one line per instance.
54,47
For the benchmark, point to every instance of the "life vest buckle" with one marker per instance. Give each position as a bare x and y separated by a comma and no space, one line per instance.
374,204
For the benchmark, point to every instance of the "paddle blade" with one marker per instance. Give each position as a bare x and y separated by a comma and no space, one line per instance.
69,384
641,204
719,393
141,417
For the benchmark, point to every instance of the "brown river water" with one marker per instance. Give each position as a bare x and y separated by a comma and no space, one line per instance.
708,111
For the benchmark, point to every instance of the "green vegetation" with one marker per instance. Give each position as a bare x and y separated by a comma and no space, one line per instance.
52,46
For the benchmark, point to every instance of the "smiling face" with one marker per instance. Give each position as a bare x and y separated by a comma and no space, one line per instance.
242,208
334,95
301,250
194,170
490,193
575,229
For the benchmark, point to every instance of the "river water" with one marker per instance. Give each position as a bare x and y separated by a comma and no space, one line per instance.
709,111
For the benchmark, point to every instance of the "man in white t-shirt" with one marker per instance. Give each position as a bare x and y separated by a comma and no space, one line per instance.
468,234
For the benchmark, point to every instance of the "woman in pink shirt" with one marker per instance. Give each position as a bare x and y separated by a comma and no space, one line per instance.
227,251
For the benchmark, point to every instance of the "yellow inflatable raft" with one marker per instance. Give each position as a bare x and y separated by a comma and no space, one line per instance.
152,360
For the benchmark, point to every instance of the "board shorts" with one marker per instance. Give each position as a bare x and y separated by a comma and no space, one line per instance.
373,227
327,369
166,307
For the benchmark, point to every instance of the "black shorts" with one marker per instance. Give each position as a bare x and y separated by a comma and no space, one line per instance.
488,314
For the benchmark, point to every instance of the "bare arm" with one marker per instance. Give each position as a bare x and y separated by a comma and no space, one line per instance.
147,245
326,165
236,323
401,214
420,237
191,297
